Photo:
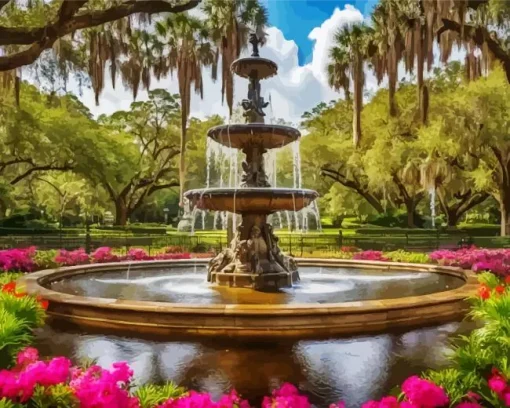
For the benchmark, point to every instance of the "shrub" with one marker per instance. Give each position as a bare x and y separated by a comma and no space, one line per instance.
478,260
19,315
45,259
137,254
103,255
18,259
397,219
479,362
175,249
72,258
407,257
370,256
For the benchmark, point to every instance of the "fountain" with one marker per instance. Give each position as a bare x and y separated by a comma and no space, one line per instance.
253,258
331,297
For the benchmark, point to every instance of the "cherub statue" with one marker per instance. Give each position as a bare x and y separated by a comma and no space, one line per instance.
257,249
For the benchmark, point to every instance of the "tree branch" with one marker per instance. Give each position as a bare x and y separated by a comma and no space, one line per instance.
65,167
69,8
43,38
479,35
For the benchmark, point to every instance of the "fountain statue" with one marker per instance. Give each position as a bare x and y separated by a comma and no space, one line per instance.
253,259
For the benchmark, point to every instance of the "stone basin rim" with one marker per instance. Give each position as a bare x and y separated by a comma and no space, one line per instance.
248,191
246,128
271,68
34,281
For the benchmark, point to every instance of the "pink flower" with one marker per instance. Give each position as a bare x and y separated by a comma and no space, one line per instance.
424,393
103,255
339,404
20,260
370,256
27,356
497,384
71,258
286,396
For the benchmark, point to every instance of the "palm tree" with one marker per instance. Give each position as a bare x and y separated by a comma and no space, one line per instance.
229,22
347,59
183,46
389,39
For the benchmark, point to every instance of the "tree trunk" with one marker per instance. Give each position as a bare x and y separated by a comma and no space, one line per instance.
182,161
410,208
121,212
393,103
505,211
452,217
357,104
423,94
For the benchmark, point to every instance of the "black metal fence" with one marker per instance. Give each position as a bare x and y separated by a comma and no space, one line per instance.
296,244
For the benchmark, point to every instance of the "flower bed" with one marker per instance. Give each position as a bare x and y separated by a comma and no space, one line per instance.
31,259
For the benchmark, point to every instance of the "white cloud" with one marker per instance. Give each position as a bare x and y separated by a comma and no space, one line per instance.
323,37
295,89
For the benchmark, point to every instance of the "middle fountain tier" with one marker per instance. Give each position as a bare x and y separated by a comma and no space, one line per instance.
253,259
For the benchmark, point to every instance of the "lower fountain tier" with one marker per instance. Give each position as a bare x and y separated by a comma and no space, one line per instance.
253,259
251,200
263,282
245,135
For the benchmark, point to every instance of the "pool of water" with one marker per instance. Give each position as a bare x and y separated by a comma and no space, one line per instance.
317,285
353,369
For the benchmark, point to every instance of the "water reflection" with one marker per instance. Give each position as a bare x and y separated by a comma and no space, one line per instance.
354,369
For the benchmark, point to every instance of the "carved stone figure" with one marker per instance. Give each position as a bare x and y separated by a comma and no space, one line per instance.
219,262
254,104
254,41
254,175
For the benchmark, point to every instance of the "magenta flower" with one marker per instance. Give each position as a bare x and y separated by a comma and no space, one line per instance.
27,356
72,258
424,393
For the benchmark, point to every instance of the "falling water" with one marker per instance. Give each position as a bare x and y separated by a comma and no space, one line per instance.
289,222
317,215
208,157
280,220
296,155
432,192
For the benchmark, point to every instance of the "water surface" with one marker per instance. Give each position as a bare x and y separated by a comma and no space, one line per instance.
317,285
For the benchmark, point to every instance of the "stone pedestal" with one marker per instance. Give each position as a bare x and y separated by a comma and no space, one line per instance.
253,259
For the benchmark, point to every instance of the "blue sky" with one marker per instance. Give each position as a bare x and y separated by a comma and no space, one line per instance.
296,18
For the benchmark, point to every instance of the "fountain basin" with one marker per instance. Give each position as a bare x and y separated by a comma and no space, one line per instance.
264,320
240,136
251,200
257,67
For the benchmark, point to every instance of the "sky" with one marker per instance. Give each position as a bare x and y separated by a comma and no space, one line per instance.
289,17
298,40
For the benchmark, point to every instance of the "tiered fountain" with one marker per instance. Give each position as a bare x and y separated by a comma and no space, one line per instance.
253,259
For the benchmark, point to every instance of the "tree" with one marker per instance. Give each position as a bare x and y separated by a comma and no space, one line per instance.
229,22
474,124
185,40
348,56
42,136
333,153
61,19
133,156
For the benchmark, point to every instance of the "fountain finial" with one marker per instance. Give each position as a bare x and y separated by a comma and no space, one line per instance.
254,41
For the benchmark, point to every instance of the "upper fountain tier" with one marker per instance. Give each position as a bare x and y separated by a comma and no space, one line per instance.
267,136
254,67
